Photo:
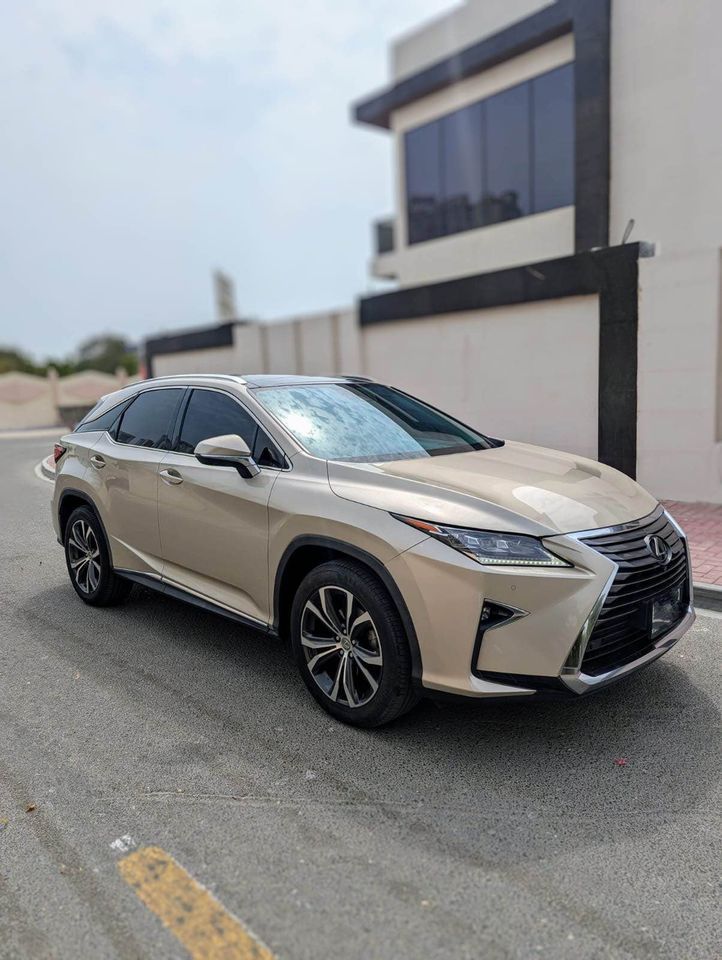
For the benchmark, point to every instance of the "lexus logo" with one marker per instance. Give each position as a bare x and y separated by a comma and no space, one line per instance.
660,550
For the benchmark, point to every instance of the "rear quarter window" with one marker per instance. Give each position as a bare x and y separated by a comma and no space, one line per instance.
106,421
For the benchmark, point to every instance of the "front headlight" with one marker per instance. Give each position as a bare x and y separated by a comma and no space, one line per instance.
490,548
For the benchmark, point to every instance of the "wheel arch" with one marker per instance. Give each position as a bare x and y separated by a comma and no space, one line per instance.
70,499
304,553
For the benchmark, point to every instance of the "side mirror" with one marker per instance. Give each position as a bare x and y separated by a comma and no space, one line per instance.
227,451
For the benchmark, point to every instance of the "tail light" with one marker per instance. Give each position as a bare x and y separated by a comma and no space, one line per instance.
58,451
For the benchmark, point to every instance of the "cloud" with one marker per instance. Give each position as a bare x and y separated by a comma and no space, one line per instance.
147,142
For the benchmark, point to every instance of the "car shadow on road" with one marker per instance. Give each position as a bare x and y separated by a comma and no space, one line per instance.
490,783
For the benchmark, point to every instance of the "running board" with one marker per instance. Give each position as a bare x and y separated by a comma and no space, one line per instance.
154,582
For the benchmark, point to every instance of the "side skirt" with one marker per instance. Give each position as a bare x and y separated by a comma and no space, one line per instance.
154,582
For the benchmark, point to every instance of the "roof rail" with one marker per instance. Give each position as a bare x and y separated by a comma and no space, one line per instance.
195,376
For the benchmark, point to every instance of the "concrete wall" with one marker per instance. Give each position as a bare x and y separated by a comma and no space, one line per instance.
214,360
463,25
281,347
540,237
27,401
484,367
320,343
85,388
666,157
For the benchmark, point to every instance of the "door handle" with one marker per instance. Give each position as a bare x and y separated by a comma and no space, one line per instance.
97,461
171,476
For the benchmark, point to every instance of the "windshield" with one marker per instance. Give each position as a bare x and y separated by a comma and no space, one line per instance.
365,422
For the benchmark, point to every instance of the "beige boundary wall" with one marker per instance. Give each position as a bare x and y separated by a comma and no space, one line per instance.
317,343
528,372
525,372
27,401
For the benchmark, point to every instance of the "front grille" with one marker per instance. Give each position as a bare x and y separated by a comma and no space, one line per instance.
623,631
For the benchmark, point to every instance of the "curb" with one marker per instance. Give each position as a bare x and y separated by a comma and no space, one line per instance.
32,433
47,468
708,595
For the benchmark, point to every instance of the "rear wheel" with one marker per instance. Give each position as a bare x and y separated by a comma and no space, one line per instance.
88,561
350,645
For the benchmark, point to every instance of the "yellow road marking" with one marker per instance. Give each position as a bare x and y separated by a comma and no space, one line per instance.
188,910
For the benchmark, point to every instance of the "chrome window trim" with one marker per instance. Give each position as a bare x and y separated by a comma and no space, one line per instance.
84,422
128,398
138,446
186,386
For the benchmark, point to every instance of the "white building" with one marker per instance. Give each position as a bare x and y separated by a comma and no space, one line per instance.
526,137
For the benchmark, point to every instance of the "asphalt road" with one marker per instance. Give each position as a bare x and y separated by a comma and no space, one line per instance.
473,831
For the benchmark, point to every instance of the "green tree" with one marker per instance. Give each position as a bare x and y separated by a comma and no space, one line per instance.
106,353
11,360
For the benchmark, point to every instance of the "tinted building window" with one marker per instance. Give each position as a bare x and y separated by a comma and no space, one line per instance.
504,157
507,135
553,96
212,414
148,421
423,182
461,166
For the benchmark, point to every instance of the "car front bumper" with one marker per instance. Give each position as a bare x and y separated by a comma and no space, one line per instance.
543,644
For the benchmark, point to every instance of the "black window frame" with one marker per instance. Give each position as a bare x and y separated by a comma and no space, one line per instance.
440,217
425,224
261,433
181,390
538,132
509,198
88,425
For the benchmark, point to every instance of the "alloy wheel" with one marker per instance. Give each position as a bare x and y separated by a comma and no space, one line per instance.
341,646
84,556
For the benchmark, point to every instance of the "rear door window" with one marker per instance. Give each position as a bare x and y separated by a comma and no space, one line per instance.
148,421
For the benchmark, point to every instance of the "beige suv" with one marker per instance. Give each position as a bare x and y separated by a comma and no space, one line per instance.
399,550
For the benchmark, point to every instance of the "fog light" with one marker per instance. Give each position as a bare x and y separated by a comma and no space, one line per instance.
494,614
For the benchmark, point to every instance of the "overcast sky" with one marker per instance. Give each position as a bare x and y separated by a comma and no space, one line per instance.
146,142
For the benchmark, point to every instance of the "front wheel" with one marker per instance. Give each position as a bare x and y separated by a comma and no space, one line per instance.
350,645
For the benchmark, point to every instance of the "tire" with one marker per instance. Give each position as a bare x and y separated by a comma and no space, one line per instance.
362,675
88,561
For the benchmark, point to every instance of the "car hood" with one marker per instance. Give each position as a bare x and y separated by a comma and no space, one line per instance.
516,488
